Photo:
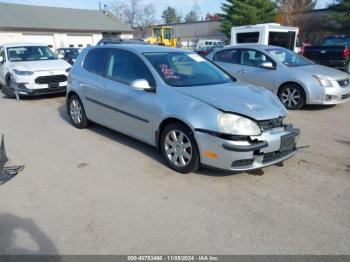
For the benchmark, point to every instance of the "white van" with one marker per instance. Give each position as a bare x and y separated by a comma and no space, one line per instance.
208,43
266,34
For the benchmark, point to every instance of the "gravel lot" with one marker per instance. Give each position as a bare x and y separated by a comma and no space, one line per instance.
96,191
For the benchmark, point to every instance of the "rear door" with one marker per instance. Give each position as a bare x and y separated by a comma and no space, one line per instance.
229,59
251,71
90,83
129,110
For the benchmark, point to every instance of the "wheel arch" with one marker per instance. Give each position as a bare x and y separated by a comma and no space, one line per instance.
295,83
166,122
69,95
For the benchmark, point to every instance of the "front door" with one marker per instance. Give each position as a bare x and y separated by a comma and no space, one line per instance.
129,111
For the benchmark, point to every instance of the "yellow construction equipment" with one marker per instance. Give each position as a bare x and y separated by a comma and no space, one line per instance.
163,35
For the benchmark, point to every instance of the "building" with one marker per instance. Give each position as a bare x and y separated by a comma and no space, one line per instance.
189,33
58,27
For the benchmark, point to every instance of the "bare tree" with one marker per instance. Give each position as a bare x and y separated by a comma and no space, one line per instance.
134,13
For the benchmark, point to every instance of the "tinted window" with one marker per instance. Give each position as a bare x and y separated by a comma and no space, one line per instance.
283,39
247,37
340,41
254,58
232,56
95,60
126,67
182,69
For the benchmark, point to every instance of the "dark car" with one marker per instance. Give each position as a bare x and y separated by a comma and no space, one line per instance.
110,41
334,52
204,51
68,54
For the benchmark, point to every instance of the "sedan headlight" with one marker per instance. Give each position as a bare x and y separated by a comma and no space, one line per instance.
323,81
238,125
23,73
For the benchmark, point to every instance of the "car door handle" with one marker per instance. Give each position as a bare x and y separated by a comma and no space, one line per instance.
242,71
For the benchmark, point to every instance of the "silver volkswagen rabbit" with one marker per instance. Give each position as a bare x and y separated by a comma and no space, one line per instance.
188,108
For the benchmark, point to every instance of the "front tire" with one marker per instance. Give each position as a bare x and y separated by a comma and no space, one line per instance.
179,148
292,96
77,113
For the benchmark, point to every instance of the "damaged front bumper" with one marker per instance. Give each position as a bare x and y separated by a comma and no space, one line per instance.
247,153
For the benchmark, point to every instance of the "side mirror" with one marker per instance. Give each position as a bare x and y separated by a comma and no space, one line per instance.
2,59
141,84
267,65
60,56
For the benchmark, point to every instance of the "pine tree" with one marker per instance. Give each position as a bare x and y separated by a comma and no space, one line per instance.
341,17
246,12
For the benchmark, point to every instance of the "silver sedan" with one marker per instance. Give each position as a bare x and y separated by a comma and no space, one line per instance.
294,79
182,104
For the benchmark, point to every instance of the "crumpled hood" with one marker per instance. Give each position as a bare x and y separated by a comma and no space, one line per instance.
241,98
41,65
320,70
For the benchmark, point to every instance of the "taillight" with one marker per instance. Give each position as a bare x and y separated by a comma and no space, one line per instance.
346,52
302,50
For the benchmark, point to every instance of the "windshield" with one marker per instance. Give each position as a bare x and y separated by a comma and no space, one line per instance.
30,53
343,41
288,57
73,53
187,69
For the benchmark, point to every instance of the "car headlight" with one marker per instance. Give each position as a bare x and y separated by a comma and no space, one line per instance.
22,73
323,81
238,125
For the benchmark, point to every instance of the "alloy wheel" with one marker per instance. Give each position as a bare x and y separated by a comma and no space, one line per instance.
178,148
76,111
291,97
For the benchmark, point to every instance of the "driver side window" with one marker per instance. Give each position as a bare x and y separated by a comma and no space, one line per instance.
126,67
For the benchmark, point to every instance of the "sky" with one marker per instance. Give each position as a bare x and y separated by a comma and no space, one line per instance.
183,6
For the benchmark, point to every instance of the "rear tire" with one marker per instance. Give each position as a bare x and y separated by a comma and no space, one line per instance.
77,113
292,96
179,148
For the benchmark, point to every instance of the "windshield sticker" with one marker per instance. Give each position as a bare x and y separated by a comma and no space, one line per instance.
168,72
196,57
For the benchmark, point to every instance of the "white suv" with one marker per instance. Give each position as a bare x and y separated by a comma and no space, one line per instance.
31,69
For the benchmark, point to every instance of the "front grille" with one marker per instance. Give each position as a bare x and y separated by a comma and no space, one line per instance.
276,155
51,79
344,83
242,163
271,124
345,96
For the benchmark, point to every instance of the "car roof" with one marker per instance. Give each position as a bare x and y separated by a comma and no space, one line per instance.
143,48
257,47
22,44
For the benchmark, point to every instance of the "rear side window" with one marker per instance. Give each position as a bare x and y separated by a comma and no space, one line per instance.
252,37
125,67
232,56
95,60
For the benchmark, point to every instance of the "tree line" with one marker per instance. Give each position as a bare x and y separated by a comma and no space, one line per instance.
238,12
